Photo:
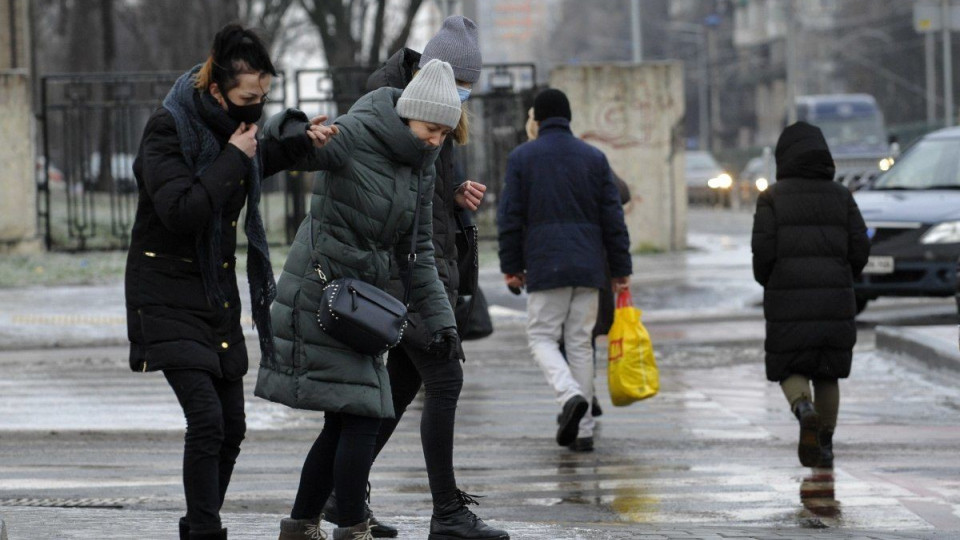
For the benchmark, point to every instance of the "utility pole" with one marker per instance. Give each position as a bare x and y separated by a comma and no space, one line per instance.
791,61
929,67
635,35
947,64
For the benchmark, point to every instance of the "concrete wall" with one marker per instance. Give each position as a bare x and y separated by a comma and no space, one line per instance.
18,192
634,114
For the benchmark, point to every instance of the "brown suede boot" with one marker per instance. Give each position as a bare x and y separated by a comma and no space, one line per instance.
360,531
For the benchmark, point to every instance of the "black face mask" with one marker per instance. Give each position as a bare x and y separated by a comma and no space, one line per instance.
244,113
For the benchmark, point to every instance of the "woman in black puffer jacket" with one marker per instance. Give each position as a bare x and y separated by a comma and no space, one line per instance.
809,242
198,165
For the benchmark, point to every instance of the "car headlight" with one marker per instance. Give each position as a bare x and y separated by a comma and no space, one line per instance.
885,164
944,233
762,184
722,181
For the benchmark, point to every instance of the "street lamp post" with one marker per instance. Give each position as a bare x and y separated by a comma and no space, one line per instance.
947,65
702,86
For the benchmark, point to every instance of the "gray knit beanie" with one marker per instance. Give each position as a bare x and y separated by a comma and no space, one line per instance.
456,42
432,96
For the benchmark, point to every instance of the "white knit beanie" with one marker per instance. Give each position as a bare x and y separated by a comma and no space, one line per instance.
432,96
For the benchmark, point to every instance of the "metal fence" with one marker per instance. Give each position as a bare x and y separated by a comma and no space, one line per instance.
86,202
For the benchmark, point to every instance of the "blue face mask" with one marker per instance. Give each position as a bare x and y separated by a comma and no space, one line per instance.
464,93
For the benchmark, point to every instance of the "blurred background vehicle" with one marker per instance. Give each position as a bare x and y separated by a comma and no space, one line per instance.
707,182
854,128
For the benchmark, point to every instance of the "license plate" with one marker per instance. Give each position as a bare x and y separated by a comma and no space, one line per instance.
878,265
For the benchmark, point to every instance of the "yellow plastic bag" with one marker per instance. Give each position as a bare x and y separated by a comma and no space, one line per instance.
632,371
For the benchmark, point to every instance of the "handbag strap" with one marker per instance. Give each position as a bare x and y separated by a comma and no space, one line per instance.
411,256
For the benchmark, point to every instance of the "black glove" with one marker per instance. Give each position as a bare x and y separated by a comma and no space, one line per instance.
445,344
293,138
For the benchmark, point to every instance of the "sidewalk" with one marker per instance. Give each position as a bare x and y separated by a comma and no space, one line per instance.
936,346
94,316
69,524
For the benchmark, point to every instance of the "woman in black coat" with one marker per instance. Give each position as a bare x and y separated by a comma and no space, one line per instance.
809,242
198,164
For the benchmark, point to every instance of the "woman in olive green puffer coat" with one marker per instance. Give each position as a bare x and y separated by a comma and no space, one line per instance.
362,214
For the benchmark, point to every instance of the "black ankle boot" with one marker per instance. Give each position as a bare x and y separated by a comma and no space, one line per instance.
825,436
379,530
184,529
209,535
452,520
808,448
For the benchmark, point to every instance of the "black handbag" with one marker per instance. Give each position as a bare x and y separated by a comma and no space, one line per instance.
360,315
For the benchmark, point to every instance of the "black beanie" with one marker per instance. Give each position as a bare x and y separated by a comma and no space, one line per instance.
550,103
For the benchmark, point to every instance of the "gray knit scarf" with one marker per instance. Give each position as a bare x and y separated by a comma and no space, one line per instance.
200,148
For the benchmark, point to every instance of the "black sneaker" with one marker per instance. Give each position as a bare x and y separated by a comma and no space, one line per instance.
454,521
573,411
379,530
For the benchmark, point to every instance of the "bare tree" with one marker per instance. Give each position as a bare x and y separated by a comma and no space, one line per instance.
353,31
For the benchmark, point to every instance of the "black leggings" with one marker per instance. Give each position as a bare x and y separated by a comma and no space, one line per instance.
216,425
340,457
442,380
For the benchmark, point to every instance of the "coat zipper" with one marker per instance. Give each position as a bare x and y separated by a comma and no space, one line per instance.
153,255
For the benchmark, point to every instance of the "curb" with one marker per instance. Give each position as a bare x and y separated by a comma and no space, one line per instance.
934,351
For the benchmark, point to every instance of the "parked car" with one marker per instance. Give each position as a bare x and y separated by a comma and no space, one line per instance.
707,182
912,213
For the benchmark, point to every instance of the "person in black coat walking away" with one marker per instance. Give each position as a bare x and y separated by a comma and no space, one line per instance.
198,164
809,242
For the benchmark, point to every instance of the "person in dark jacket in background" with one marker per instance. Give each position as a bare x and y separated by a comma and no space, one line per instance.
559,221
198,164
809,242
410,365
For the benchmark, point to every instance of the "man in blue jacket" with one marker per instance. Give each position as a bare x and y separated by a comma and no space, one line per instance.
559,216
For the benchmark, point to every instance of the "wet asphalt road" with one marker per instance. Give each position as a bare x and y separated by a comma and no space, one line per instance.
713,454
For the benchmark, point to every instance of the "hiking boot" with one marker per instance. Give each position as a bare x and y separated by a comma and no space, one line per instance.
595,409
582,444
302,529
378,530
573,411
454,521
825,436
808,448
360,531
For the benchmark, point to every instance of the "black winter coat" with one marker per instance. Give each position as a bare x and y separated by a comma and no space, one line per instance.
397,72
170,322
809,241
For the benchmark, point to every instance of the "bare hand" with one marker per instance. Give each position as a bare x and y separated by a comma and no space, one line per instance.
320,134
469,195
245,138
515,281
619,284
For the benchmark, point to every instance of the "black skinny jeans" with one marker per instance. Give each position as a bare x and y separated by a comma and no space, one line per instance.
410,367
341,458
216,425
